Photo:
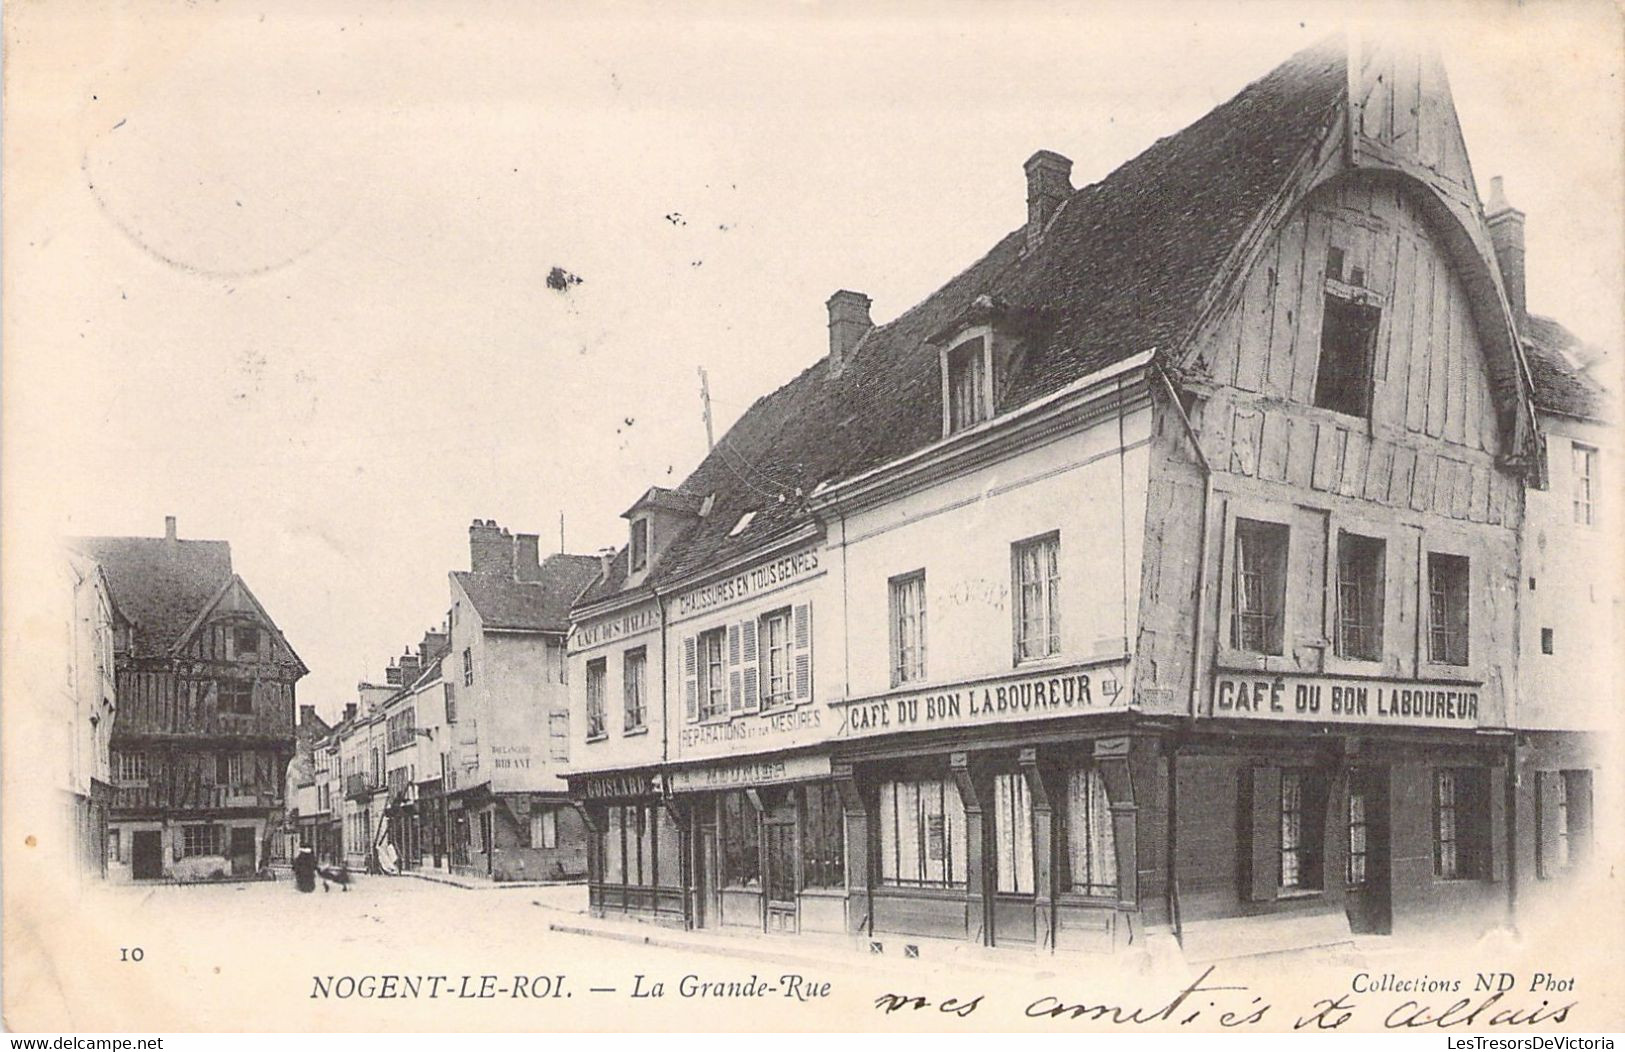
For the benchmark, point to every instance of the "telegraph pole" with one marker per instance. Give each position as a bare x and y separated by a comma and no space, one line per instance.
705,404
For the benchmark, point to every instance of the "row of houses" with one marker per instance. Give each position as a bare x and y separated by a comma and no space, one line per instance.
452,763
1224,557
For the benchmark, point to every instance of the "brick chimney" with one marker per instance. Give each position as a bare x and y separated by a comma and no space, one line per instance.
349,710
848,321
169,528
606,559
490,548
1506,235
527,560
392,675
1049,183
433,643
409,667
307,715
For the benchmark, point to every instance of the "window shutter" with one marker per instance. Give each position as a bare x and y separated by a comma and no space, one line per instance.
1490,804
753,688
691,691
1546,823
803,651
736,693
1260,800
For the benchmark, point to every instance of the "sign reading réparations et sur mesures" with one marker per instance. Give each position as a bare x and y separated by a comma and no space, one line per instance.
1041,695
1333,700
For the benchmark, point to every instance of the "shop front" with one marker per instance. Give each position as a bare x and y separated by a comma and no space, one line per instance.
768,843
634,846
1314,808
1005,811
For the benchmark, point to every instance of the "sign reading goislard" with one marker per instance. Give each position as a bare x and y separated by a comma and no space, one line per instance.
1329,698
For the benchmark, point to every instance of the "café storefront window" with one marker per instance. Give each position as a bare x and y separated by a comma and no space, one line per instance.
922,834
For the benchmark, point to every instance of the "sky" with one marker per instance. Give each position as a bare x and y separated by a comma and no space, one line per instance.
281,270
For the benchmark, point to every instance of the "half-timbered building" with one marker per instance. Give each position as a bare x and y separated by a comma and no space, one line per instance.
205,721
1157,578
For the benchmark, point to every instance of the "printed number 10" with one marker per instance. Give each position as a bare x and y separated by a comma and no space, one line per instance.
130,953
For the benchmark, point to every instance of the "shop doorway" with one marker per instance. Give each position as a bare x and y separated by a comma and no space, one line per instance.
242,852
1368,868
146,854
781,869
707,900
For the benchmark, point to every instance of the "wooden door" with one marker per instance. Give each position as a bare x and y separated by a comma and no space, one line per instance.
146,854
1367,871
780,856
242,852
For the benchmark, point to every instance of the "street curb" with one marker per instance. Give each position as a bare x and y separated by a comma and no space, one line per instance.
492,885
668,943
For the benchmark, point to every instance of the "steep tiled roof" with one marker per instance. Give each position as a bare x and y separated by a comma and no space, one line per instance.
1559,385
539,606
161,585
1121,269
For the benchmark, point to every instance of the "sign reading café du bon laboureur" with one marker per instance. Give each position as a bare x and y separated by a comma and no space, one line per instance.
1041,695
1331,699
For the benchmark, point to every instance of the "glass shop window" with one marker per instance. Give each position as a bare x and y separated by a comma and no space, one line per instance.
922,834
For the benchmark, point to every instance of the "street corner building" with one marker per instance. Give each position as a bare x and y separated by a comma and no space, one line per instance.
452,763
1159,578
203,727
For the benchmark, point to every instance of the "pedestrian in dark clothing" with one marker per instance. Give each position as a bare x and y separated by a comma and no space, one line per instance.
304,870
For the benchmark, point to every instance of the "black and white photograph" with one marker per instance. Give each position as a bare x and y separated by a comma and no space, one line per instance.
1056,518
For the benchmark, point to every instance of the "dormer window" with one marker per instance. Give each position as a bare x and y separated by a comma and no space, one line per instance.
640,544
967,384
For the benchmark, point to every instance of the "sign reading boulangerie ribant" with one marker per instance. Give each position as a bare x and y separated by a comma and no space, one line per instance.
1329,698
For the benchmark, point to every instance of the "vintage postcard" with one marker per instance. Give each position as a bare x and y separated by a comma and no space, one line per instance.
1061,518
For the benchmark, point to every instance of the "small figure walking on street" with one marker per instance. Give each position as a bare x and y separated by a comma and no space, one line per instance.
304,870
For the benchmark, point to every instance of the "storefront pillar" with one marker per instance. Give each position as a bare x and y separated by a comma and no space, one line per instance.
1043,839
1112,757
975,879
859,903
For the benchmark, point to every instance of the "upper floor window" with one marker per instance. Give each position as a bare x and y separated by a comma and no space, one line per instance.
1359,596
1038,596
1585,484
451,702
632,675
468,667
640,544
245,641
713,681
776,671
908,628
1348,335
237,696
558,729
597,673
1259,587
1447,609
130,766
967,385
